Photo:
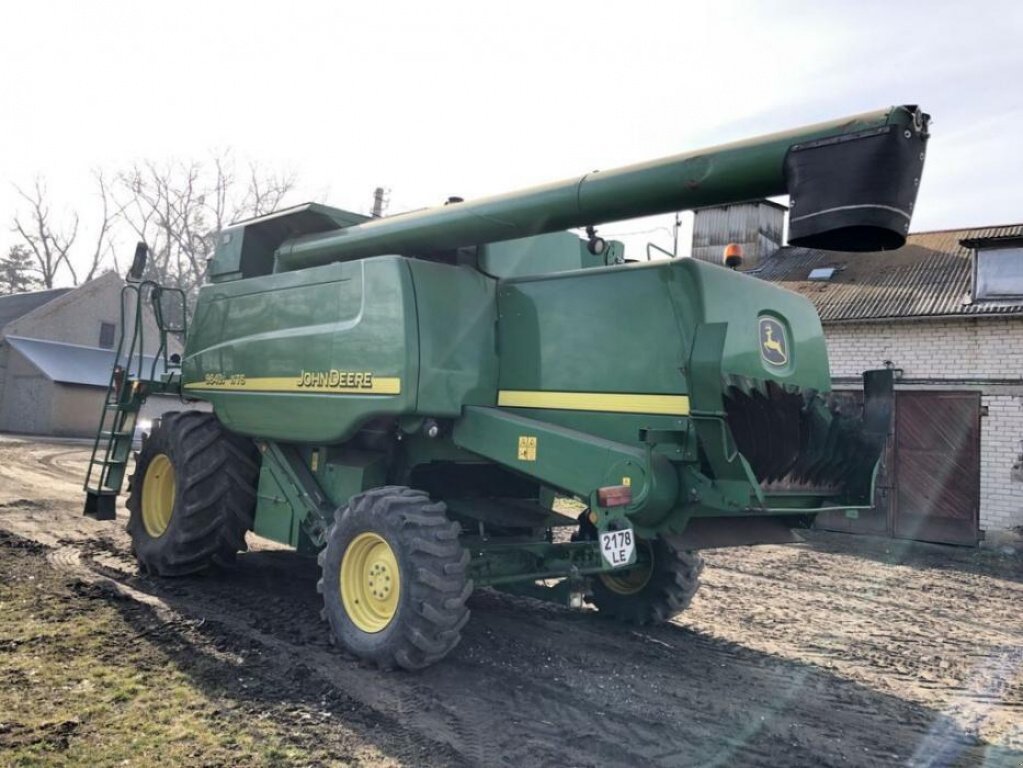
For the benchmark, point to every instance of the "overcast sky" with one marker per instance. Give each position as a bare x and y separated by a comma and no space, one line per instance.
436,99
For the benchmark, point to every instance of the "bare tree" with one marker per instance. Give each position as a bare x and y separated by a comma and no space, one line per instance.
103,246
266,192
51,244
180,208
48,243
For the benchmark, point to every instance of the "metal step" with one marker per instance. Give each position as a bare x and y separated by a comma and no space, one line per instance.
101,504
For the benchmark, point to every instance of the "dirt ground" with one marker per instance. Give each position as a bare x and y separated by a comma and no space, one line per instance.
842,651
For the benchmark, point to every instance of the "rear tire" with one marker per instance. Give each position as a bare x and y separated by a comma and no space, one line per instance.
193,495
394,579
651,595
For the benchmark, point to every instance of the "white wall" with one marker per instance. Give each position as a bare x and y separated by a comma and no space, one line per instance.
959,349
984,355
28,395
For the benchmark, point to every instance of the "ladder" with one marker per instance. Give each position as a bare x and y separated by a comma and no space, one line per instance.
132,378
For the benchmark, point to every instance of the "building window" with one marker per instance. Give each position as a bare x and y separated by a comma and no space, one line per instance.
999,273
106,335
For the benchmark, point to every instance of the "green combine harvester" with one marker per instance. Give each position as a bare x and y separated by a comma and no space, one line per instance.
407,397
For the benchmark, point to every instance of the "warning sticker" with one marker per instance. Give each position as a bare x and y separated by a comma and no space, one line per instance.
527,448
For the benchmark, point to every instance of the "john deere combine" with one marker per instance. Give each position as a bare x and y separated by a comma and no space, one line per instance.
408,396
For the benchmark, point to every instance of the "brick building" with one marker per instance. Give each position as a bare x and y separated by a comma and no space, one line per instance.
946,313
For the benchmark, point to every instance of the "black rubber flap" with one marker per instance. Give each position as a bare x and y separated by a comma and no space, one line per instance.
878,400
854,192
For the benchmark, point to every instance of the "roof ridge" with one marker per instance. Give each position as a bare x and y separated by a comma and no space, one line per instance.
967,229
927,278
34,293
60,343
40,309
15,306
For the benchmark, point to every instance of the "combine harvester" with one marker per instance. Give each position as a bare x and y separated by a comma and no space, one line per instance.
408,396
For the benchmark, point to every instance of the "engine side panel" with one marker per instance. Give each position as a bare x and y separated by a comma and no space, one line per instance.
307,356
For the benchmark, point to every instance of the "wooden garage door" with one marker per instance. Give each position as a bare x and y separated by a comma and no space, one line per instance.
937,466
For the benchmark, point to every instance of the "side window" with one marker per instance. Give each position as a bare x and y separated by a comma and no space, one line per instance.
999,273
106,335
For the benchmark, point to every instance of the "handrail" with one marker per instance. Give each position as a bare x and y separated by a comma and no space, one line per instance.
130,365
667,253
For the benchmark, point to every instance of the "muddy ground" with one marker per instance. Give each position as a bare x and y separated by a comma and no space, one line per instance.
842,651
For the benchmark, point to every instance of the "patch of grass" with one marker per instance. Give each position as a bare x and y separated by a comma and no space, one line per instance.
81,685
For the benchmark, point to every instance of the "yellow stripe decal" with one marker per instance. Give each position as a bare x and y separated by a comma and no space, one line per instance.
377,385
672,405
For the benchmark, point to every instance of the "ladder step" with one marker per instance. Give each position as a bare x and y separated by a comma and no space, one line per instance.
100,505
108,433
100,491
110,462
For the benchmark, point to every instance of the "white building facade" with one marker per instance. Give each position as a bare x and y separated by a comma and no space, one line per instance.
945,312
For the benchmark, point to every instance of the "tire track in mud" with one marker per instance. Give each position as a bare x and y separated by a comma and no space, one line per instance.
927,641
386,694
586,721
618,736
533,684
61,464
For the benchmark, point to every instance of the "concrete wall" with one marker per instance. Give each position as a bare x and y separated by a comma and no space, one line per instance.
5,357
27,395
76,410
979,354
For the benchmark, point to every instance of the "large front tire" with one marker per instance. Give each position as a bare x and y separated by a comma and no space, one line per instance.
393,579
193,495
652,594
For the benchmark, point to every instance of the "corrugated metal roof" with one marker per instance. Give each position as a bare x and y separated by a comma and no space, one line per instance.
930,276
72,363
17,304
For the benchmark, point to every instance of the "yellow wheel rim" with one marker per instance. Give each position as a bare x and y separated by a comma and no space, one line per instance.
370,582
158,490
633,580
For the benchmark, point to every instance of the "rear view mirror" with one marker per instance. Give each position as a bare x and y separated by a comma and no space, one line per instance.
138,264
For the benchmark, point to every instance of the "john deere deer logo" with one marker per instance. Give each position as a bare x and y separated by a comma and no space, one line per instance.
773,346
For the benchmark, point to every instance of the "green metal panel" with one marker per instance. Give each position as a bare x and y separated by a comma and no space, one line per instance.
542,254
275,518
719,295
630,329
573,461
246,248
618,427
343,472
456,312
307,357
598,330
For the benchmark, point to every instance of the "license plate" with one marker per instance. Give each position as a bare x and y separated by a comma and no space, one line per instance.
618,547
